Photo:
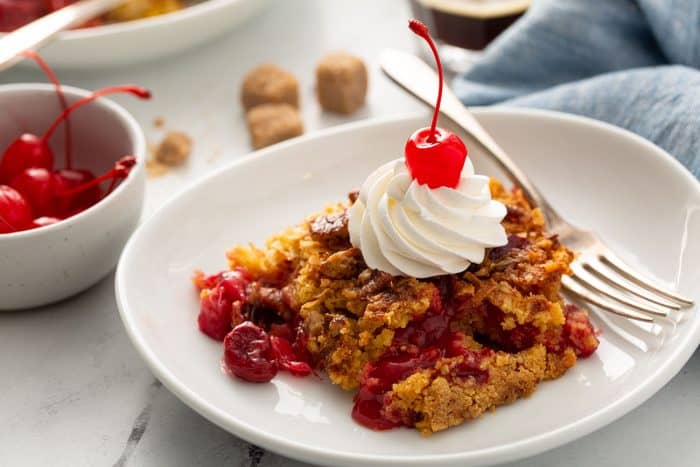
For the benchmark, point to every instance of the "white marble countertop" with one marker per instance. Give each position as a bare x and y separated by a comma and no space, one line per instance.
74,392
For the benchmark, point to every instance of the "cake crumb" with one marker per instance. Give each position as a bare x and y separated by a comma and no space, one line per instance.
155,169
159,122
174,150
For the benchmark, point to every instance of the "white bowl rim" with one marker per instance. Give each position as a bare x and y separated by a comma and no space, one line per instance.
198,9
515,450
139,150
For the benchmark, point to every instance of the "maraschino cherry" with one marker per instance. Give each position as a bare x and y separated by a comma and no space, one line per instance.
434,156
15,211
31,151
32,193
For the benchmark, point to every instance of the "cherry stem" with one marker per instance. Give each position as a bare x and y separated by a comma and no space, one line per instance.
421,30
61,97
120,171
137,91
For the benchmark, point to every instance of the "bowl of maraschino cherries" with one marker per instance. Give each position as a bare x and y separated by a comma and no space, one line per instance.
72,182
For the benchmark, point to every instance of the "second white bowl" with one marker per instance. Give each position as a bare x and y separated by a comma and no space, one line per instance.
145,39
51,263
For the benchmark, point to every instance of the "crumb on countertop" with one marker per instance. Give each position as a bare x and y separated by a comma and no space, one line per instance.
155,169
174,149
159,122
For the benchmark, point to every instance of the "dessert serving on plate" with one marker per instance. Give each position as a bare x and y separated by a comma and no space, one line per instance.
434,294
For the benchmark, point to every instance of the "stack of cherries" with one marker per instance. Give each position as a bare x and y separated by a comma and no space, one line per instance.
35,194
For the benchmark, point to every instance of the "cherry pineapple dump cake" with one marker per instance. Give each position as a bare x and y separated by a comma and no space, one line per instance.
428,353
434,294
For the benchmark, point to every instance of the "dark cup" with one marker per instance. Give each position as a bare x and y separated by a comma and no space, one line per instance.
463,28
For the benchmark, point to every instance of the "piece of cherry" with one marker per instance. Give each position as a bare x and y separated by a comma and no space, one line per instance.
248,354
15,211
434,156
33,151
287,358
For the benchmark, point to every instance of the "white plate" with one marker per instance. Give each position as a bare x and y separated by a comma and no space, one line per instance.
634,194
145,39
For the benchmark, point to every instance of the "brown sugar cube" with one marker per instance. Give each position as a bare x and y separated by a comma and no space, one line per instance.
272,123
269,84
341,83
175,149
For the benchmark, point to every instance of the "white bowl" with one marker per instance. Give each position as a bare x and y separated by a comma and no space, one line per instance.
51,263
145,39
598,176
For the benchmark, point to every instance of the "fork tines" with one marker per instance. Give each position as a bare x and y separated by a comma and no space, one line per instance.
605,280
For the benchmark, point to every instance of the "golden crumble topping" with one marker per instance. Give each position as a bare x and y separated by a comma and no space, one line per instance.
428,354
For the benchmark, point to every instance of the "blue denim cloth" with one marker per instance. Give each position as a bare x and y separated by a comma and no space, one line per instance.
632,63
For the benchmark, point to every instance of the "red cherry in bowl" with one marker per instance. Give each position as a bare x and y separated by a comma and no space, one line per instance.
36,185
435,157
15,211
26,151
70,180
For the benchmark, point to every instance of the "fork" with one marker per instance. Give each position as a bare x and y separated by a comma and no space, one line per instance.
598,276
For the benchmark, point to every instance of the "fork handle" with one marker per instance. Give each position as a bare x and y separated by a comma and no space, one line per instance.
460,115
414,75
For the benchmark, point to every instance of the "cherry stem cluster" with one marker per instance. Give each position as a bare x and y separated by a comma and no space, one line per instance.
132,89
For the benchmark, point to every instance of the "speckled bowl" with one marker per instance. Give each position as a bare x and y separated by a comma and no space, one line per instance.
44,265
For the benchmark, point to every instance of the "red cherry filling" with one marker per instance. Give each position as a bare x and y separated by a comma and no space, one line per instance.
417,346
287,358
215,314
223,303
248,353
216,304
15,211
434,156
17,13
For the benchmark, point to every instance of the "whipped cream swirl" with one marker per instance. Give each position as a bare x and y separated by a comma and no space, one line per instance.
408,229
